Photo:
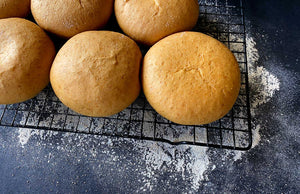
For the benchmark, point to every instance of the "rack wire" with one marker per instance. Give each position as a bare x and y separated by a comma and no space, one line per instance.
221,19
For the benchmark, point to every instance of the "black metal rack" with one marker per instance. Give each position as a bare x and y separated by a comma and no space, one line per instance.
222,19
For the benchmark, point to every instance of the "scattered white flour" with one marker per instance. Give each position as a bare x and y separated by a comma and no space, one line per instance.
263,83
237,155
159,156
24,135
191,161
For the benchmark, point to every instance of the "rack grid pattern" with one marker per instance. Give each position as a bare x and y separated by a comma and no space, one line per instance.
221,19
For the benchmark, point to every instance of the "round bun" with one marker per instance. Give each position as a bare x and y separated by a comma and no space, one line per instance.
14,8
148,21
191,78
96,73
26,55
67,18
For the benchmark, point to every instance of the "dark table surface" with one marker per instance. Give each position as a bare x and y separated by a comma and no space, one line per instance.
37,161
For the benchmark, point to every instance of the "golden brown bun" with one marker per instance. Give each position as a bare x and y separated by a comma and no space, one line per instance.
67,18
14,8
26,55
148,21
96,73
191,78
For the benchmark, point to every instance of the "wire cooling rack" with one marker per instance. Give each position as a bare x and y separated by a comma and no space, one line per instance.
222,19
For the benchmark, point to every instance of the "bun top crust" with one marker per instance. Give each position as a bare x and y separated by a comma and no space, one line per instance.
14,8
26,55
96,73
148,21
191,78
67,18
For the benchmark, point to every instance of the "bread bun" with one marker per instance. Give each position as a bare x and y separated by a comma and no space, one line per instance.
67,18
191,78
148,21
14,8
96,73
26,55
